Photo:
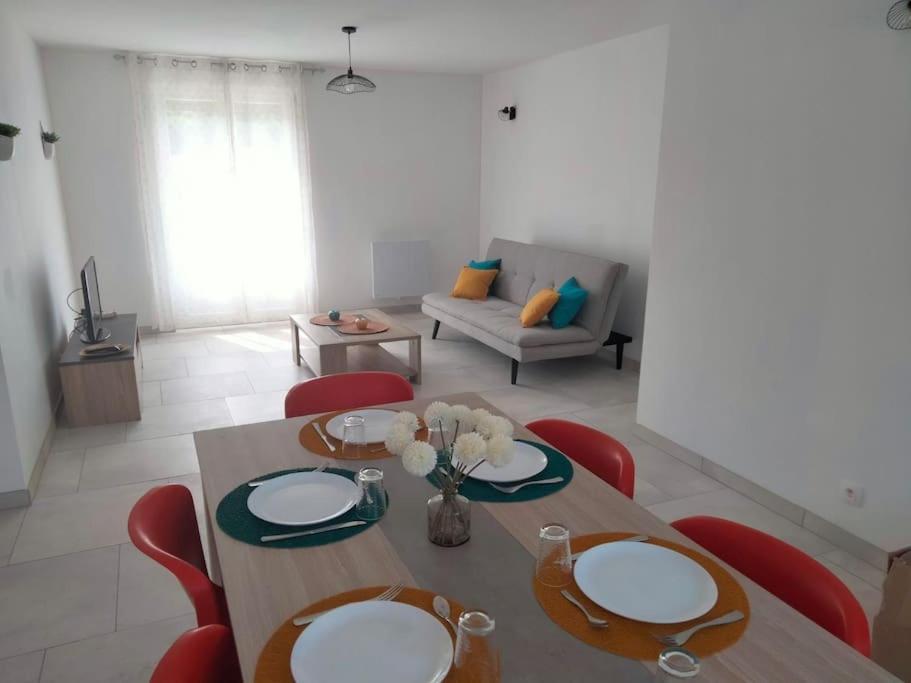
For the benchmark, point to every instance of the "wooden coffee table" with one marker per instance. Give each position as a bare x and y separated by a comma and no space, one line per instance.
328,352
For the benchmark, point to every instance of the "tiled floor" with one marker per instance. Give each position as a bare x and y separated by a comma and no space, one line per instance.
79,603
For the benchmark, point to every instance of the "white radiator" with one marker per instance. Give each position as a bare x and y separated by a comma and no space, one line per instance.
401,269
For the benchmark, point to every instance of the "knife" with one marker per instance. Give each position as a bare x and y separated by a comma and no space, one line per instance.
323,437
310,532
631,539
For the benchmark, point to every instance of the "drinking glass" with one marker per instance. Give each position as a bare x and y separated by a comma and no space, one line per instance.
372,503
677,664
477,658
354,435
555,562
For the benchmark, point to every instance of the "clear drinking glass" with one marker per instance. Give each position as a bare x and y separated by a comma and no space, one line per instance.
372,503
477,658
677,664
555,562
354,435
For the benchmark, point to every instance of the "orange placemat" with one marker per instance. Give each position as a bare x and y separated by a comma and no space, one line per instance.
274,665
310,440
634,639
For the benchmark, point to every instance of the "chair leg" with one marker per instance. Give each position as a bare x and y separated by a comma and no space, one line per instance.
515,370
436,328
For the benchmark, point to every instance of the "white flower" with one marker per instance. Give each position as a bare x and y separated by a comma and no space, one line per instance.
492,425
480,414
408,420
398,439
436,413
469,448
465,417
419,458
500,448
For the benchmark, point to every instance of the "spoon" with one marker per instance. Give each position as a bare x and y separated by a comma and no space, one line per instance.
441,607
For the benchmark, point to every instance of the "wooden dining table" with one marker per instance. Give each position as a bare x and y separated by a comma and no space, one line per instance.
492,571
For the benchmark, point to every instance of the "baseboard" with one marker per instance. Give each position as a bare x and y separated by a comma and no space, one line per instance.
46,444
400,308
15,499
799,515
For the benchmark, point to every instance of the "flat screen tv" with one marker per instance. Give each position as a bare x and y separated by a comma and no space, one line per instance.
92,331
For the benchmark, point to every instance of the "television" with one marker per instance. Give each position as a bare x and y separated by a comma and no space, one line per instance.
92,331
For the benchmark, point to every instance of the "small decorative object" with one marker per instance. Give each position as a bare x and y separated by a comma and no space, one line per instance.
7,142
484,437
507,114
334,315
361,323
48,139
350,83
899,16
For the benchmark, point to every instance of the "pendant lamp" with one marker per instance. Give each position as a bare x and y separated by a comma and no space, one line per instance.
350,83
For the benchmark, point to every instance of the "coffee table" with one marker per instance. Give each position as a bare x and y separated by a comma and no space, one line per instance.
327,351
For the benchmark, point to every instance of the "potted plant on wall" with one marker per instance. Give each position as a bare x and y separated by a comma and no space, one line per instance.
48,139
7,142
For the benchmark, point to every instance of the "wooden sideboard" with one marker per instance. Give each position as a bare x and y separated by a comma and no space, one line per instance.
103,390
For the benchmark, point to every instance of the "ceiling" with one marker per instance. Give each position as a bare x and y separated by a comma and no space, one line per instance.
458,36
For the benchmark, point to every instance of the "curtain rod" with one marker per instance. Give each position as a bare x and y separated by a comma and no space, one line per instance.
231,64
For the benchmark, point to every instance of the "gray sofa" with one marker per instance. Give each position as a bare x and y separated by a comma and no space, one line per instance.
524,271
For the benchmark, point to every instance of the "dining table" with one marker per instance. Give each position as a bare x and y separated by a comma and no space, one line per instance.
493,571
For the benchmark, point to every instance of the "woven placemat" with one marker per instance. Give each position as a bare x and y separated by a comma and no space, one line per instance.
558,465
238,522
310,440
274,664
634,639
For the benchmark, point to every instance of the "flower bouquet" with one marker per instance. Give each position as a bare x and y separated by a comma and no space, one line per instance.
468,438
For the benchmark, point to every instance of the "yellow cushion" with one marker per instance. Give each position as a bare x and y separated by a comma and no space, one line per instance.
538,306
473,283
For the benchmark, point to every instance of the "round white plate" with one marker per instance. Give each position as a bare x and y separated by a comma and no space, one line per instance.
377,423
382,641
527,461
303,498
645,582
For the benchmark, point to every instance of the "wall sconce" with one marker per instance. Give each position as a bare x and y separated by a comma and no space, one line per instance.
507,113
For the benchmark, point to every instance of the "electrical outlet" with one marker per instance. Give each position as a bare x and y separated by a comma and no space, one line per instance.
852,493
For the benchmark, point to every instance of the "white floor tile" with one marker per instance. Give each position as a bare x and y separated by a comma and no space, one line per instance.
257,407
645,494
183,349
731,505
61,473
77,438
146,591
279,359
279,378
524,403
258,341
150,394
138,461
669,475
58,600
10,523
128,656
163,368
180,418
22,668
223,364
616,420
188,389
863,570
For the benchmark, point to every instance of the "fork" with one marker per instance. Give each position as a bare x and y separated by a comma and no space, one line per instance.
390,593
513,489
678,639
593,621
254,484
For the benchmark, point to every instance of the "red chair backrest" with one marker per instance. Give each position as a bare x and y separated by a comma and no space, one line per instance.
163,525
347,390
786,572
594,450
203,655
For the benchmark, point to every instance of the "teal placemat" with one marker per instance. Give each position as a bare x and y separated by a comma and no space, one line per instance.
238,522
558,465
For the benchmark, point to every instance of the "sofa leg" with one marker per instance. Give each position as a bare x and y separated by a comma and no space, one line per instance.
436,328
515,370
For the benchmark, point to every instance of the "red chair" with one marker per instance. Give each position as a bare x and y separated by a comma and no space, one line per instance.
594,450
786,572
203,655
162,525
347,390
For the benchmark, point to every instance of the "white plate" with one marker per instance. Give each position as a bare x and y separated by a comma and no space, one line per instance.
527,461
377,423
645,582
377,641
303,498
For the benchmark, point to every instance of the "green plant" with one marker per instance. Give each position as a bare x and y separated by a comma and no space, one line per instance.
8,130
50,136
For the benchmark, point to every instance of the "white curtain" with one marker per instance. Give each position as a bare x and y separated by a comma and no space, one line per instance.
225,184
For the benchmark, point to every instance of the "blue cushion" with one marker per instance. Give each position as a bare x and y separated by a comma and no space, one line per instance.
572,297
493,264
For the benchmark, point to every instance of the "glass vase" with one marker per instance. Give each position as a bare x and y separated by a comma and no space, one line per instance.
448,519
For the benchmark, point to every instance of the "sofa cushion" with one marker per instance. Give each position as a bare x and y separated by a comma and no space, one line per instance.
501,318
538,306
473,283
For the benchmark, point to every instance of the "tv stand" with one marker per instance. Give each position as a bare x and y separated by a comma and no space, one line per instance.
103,334
105,389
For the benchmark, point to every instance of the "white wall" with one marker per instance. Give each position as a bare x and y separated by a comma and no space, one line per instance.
779,303
35,273
578,166
399,163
